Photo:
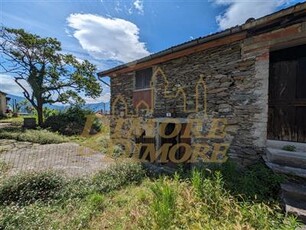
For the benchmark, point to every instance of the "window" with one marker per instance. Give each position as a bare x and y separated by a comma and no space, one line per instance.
143,78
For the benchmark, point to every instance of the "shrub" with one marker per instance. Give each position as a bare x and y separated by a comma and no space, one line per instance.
254,182
117,176
35,136
28,188
71,121
76,188
69,214
34,216
290,148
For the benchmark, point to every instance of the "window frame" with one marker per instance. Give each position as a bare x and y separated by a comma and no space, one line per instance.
144,83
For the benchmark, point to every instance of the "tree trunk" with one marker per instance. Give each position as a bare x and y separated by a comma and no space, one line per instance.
40,114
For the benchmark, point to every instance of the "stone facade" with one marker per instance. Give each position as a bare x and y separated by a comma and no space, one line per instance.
228,81
3,103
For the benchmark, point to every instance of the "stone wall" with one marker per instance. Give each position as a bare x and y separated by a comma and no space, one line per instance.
230,81
230,93
2,103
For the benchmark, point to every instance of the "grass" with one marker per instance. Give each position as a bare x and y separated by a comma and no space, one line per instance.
123,197
101,143
16,121
4,167
36,136
98,142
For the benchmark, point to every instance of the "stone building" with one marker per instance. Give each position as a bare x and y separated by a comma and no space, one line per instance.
3,103
239,93
247,82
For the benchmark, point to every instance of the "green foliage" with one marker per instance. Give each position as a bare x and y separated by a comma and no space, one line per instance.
33,216
254,182
28,188
112,200
71,214
51,75
26,105
96,201
36,136
97,125
15,121
4,167
290,148
47,112
117,176
117,151
71,121
164,204
76,188
203,202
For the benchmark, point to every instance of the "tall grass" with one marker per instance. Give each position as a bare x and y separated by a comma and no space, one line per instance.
122,197
202,201
163,205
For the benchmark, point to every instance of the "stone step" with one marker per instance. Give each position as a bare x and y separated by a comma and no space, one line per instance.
294,197
294,194
296,211
300,147
286,158
288,170
299,189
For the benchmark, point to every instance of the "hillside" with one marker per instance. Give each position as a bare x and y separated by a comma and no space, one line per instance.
93,106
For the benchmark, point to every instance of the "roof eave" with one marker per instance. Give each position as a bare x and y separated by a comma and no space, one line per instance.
231,31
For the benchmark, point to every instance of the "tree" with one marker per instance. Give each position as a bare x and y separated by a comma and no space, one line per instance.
44,73
26,106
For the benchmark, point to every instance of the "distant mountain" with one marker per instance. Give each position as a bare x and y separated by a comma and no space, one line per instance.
95,107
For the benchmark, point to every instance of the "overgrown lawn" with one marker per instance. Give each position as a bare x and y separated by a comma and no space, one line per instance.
40,136
123,197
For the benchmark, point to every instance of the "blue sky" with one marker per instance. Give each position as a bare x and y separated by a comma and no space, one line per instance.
109,33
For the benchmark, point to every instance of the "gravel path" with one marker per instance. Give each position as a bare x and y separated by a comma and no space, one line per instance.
69,158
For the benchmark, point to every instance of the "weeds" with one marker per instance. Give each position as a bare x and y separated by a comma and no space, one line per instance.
117,176
28,188
164,203
203,202
4,167
122,197
36,136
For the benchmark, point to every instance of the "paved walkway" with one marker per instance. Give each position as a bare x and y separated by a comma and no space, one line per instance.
69,158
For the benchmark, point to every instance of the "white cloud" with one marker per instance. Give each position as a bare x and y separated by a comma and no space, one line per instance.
238,11
107,38
8,85
138,4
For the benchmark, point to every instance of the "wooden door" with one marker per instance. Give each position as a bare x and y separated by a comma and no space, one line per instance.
287,95
175,140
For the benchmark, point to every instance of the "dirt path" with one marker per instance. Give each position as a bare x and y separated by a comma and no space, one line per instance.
69,158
